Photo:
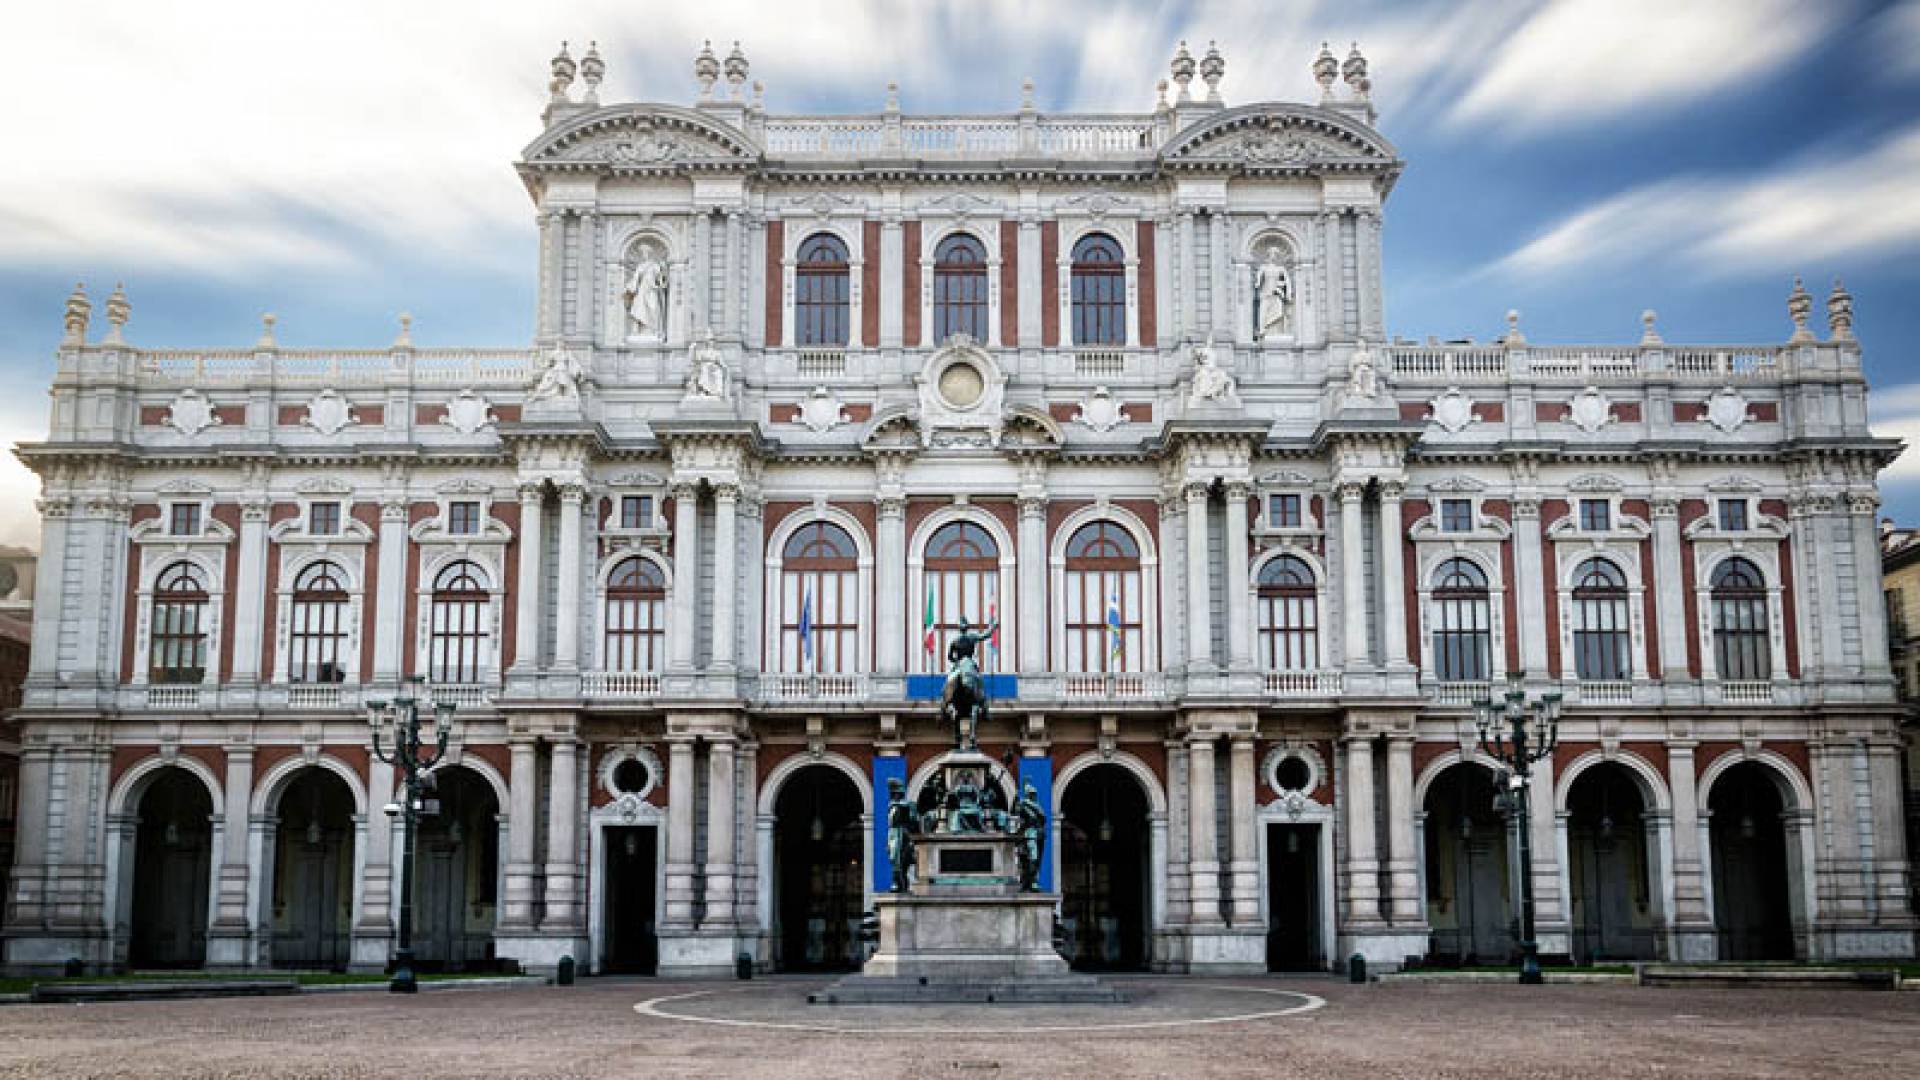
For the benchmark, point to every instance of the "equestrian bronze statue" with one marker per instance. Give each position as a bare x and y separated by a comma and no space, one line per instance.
964,700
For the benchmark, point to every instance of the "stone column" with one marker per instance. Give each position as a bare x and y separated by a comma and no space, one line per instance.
1668,580
250,599
376,877
389,636
566,628
1239,596
1893,871
1692,921
523,782
753,583
1353,581
1204,858
1532,581
1032,599
892,253
890,583
682,631
1549,912
1363,859
1243,834
1869,602
227,939
720,832
1199,592
1393,577
680,810
1031,296
24,908
563,834
1403,858
526,606
49,599
726,547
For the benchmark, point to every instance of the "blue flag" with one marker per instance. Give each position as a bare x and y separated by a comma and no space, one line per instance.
806,625
1113,625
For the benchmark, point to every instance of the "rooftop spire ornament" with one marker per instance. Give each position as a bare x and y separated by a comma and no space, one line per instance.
79,310
1799,307
1355,72
1325,70
563,69
1649,332
1212,67
706,69
118,311
1839,312
736,71
1182,74
592,70
267,340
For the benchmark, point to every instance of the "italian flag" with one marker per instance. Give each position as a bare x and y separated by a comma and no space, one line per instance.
928,631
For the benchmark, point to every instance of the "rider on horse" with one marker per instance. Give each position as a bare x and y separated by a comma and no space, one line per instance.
965,695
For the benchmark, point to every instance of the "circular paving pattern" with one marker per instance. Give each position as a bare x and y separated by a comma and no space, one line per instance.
1151,1005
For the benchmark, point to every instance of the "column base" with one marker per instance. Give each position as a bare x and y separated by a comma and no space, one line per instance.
1226,951
230,949
369,951
44,952
1842,942
1695,945
1385,948
539,952
700,953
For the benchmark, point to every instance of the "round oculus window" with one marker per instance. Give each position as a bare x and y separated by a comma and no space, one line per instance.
961,385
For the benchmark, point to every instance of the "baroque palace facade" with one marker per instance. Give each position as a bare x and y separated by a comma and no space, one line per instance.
804,392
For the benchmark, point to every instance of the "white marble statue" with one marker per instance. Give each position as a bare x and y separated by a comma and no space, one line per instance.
1363,379
647,293
1211,383
707,376
1274,291
559,380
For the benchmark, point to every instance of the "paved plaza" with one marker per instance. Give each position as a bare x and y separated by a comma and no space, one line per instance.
1173,1027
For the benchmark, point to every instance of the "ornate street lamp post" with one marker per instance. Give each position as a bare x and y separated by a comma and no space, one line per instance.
1518,733
401,717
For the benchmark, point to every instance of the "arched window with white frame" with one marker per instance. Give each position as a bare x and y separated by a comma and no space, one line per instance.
1104,601
959,288
1289,619
1742,638
460,634
820,601
1462,616
962,579
635,624
178,653
318,627
822,293
1098,278
1602,627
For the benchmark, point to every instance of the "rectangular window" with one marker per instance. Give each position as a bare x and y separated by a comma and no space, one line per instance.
1283,511
463,518
1733,515
323,519
1595,515
1456,515
636,511
184,519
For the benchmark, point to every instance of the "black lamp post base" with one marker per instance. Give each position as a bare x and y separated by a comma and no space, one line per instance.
1530,968
403,981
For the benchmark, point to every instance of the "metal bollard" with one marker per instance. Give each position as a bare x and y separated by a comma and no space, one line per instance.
1356,968
743,966
564,976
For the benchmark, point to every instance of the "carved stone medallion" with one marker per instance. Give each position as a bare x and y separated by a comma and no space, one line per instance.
329,412
1591,411
191,413
1727,409
1100,411
1453,411
822,412
468,413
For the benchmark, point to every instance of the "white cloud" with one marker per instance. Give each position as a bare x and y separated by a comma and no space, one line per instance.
1897,34
1817,210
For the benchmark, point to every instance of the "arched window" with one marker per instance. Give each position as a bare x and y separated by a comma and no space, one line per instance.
1602,630
959,288
820,601
822,292
1289,617
179,626
1462,623
963,578
317,631
457,647
1742,643
1105,628
1099,291
636,617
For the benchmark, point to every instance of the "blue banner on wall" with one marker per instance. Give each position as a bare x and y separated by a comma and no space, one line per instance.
928,687
1038,771
885,767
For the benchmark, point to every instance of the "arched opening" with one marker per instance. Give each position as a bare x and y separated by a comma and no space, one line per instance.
456,860
1098,287
818,883
1609,867
1752,908
1469,888
1104,874
1104,622
629,864
959,288
636,617
820,601
312,913
172,864
963,582
822,293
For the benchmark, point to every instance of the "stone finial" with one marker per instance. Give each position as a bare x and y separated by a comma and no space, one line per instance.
79,310
759,94
893,97
1182,73
1799,307
266,332
1325,70
1355,73
1513,335
118,311
706,69
1160,96
736,71
1840,312
1212,67
1026,95
592,70
1649,333
563,69
404,339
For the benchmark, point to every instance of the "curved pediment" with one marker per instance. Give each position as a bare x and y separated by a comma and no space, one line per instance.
641,136
1280,136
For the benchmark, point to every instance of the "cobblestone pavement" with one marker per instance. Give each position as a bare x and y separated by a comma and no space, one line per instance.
594,1030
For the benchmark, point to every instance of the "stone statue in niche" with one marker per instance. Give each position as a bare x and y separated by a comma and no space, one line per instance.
707,374
1211,384
646,292
1363,379
1273,292
559,380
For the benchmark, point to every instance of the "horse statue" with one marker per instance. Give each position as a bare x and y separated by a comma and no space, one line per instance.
964,699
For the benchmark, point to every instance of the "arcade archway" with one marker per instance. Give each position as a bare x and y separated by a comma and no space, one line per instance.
312,892
457,873
818,871
172,873
1752,905
1105,881
1610,860
1469,887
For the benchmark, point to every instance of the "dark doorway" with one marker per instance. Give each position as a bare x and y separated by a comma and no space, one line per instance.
1751,905
313,873
1607,849
818,866
631,947
1104,838
457,856
172,867
1469,888
1293,898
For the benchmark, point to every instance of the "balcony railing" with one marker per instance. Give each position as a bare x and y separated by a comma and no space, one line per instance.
1114,686
1745,692
846,687
336,368
315,695
959,136
1460,693
464,695
1100,363
1302,683
1603,692
173,697
821,363
1439,363
620,685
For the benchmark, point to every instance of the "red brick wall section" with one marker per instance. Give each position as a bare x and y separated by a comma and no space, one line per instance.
1414,410
1510,603
1689,412
428,415
228,514
1149,317
910,283
1627,412
1691,510
1411,510
1549,412
1063,411
1010,283
870,284
371,415
783,414
507,414
1140,412
1550,510
1789,611
410,603
858,412
153,415
508,514
231,415
1049,283
776,278
368,514
291,415
1492,412
1766,412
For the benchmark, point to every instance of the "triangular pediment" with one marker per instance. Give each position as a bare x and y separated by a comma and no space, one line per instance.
641,136
1280,136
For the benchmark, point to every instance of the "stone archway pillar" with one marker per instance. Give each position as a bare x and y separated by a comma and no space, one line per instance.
229,938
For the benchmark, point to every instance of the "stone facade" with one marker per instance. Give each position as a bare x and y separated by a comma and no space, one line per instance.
802,386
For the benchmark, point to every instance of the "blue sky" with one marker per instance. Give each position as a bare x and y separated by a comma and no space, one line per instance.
1578,160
